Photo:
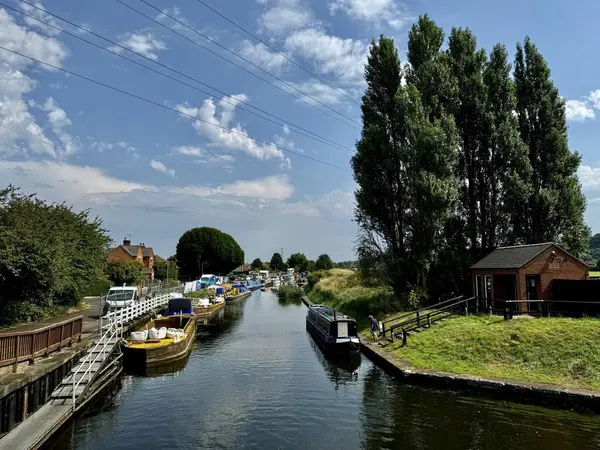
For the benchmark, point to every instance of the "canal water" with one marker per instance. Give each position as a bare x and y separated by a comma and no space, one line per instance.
255,379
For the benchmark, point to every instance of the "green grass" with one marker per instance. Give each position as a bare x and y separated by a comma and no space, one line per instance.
558,351
341,289
594,274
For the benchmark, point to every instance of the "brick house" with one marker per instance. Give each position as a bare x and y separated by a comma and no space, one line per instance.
524,272
141,253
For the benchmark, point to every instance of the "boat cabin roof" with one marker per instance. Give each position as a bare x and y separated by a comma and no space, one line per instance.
329,314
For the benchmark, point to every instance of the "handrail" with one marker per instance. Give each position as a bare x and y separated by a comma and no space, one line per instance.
427,317
425,308
18,346
112,330
39,330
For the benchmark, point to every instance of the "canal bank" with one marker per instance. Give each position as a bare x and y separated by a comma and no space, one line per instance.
255,379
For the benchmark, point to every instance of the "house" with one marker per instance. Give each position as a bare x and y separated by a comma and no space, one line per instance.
141,253
524,272
244,268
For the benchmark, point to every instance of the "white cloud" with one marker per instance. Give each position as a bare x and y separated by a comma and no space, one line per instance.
39,15
259,214
589,177
578,111
205,158
262,56
160,167
286,129
282,16
19,131
343,58
595,98
57,117
143,43
372,11
216,126
315,91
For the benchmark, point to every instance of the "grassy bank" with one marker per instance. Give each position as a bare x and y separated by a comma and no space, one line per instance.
559,351
341,289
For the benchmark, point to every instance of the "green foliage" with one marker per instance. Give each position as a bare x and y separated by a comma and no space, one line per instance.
123,272
97,287
313,278
405,169
345,264
554,206
207,250
166,270
290,294
257,264
324,262
201,293
298,261
277,263
48,256
547,350
342,289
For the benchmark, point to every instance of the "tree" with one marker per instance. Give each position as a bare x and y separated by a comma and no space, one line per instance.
554,205
277,262
405,168
257,264
49,255
124,272
323,262
207,250
166,270
298,261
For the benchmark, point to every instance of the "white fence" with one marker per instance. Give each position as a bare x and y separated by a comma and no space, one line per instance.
137,309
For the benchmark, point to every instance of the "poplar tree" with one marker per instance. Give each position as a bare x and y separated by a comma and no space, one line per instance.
554,208
404,167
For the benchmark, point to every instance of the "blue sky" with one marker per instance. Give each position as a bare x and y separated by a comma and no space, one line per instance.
152,173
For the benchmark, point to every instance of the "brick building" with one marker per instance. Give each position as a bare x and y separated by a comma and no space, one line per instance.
524,272
126,252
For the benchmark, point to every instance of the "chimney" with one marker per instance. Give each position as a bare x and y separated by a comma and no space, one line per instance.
126,241
142,244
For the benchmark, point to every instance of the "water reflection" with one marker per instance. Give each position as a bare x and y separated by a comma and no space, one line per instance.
284,301
340,369
399,416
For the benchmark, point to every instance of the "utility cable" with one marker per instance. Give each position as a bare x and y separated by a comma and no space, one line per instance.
249,33
278,121
152,102
291,86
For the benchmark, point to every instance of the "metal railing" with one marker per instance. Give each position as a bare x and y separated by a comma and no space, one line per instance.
107,339
416,314
138,308
545,308
460,306
22,346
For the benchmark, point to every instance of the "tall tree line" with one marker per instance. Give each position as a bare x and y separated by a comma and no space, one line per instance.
458,156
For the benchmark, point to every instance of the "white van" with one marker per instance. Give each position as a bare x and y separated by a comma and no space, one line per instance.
264,275
121,297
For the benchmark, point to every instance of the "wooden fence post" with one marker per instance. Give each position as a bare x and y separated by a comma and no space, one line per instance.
428,321
383,329
404,337
62,331
476,306
506,313
418,319
16,363
32,347
47,342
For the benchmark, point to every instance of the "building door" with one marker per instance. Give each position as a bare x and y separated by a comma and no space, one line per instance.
533,282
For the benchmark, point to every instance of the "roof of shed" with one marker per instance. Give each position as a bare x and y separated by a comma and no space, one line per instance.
513,257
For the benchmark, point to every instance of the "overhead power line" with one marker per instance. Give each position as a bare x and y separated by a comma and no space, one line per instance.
289,85
249,33
160,105
296,128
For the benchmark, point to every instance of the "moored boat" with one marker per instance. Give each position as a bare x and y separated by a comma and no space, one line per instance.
334,332
163,339
238,293
205,307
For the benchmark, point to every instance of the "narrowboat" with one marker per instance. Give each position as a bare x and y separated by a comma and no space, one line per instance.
334,332
254,284
163,339
238,293
205,307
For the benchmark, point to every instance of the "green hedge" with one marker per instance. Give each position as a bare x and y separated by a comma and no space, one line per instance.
98,287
